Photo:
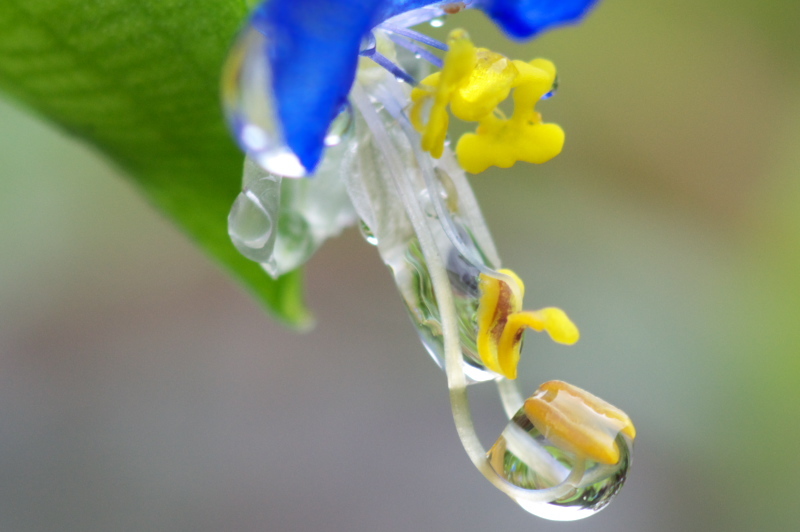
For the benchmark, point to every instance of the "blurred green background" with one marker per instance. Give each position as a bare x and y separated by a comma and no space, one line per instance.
140,389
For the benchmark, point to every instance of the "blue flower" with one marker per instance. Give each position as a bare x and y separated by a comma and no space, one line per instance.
311,88
313,48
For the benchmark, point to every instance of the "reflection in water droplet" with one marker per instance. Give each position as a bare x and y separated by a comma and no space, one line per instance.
526,458
411,274
366,232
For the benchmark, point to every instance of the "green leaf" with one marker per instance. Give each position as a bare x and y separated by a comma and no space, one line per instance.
139,79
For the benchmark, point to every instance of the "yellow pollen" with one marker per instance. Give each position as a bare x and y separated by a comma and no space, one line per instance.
578,421
474,82
502,322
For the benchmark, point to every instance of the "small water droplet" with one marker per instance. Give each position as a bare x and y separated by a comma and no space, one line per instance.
525,457
341,128
437,22
447,190
553,90
428,206
368,45
366,232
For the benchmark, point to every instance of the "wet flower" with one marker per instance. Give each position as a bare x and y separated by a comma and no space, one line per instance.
340,94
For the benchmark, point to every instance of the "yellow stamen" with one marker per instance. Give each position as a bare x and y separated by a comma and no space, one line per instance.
501,323
474,81
578,421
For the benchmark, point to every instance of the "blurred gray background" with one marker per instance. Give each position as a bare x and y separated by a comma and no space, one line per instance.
140,389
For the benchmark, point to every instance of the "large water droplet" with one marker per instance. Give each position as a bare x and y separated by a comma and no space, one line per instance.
414,281
251,221
530,459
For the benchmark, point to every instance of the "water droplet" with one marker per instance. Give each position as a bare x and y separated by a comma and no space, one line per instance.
249,109
424,196
411,274
341,128
368,45
524,456
447,190
251,227
366,232
437,22
293,246
553,90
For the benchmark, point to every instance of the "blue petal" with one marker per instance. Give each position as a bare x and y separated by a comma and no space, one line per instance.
525,18
313,53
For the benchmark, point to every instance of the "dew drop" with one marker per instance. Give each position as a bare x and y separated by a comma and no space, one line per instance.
368,45
527,458
342,127
295,245
251,227
447,190
553,90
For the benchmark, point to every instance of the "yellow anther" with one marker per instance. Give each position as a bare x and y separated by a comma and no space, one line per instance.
489,83
473,82
502,322
578,421
459,62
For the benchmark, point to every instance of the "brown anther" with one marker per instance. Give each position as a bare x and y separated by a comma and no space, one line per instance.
455,7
